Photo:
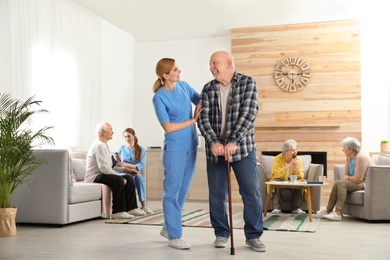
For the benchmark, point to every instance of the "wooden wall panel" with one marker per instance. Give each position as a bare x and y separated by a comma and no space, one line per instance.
328,109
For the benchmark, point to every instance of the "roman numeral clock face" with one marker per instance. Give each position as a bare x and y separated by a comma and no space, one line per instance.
292,74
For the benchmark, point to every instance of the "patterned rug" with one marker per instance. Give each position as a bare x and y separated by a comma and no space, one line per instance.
200,218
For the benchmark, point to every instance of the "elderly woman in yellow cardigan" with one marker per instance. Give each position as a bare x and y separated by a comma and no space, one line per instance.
286,164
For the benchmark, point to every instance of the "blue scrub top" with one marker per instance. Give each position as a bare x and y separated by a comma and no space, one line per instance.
127,155
176,106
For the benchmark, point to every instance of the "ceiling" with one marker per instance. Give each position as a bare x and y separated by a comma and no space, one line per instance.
158,20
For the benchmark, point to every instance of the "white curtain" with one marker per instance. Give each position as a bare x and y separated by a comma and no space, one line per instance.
50,49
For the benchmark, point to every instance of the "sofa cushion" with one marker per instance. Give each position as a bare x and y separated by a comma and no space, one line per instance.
356,197
83,192
79,168
306,161
70,170
311,176
384,159
267,161
78,155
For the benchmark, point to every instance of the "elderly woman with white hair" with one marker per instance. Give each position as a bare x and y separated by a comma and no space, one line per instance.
356,164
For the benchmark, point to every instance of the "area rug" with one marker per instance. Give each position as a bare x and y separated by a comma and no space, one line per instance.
200,218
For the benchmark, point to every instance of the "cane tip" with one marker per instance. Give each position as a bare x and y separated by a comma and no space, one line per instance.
232,251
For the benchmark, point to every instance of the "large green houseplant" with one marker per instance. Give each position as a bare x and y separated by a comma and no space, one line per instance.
17,141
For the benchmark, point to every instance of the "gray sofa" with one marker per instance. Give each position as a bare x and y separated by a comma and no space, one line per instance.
311,171
51,197
373,202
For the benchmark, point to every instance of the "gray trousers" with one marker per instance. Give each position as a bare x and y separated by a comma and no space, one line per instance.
297,195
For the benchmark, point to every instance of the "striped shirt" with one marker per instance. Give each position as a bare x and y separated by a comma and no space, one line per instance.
241,113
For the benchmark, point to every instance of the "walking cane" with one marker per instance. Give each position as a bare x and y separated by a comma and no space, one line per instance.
230,209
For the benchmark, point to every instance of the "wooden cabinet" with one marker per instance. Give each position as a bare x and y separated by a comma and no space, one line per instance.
199,189
155,174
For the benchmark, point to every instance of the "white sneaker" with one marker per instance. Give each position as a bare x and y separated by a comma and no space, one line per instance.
276,211
178,243
124,215
164,233
298,211
333,216
136,212
320,214
147,210
220,242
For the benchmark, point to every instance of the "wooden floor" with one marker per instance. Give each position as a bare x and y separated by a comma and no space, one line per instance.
94,239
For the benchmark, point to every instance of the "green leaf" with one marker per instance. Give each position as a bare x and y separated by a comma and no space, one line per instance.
17,141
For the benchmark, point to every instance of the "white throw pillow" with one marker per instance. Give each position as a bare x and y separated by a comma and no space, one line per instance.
384,159
79,168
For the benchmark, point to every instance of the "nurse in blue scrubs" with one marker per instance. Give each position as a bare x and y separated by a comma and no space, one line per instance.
173,100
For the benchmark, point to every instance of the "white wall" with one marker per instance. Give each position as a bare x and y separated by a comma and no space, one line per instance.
192,57
117,73
128,73
375,53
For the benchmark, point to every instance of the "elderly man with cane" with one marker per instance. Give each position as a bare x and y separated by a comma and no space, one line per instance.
230,107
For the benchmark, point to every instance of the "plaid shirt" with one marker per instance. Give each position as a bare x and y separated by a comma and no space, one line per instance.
242,112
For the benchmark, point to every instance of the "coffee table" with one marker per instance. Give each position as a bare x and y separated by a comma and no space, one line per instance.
311,205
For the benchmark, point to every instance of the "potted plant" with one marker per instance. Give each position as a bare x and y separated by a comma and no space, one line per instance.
385,146
17,160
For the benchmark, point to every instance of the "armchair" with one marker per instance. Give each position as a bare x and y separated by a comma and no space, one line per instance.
312,172
372,203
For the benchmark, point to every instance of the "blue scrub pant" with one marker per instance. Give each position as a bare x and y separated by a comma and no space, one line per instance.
247,175
140,184
179,167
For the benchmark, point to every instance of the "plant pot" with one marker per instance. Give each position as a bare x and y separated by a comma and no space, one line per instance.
385,147
7,222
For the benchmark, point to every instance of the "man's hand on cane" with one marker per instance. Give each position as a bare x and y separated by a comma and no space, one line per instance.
230,149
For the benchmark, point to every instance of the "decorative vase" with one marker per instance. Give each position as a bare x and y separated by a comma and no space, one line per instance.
385,147
7,222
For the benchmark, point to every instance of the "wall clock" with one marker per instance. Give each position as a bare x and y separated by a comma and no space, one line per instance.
292,74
